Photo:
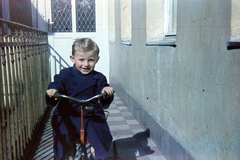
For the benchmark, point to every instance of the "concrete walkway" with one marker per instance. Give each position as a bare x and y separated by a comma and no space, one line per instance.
130,141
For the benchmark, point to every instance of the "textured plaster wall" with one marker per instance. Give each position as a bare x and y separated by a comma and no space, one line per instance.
209,80
193,90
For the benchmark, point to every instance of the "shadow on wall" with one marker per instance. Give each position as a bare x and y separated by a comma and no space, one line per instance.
133,147
56,61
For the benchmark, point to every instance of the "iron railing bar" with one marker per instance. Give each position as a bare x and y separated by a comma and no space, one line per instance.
19,25
13,44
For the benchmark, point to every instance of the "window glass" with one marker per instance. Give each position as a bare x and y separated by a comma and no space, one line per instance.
85,16
154,20
161,19
235,21
61,15
1,16
170,17
112,20
126,23
23,7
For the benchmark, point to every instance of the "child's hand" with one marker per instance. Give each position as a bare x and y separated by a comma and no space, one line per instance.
51,92
108,90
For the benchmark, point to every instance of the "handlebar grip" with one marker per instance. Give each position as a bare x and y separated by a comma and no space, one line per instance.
105,94
57,95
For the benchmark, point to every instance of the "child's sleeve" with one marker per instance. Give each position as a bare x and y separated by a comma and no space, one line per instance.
59,82
105,102
59,85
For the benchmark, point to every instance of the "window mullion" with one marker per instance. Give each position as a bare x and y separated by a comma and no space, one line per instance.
74,28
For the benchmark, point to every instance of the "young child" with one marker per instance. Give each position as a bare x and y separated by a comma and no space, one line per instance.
80,81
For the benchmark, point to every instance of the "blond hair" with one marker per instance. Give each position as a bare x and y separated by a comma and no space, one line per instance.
85,45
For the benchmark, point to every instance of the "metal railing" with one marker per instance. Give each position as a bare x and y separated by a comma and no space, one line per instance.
56,62
24,77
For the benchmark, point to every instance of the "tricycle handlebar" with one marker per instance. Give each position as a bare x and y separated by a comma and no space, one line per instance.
58,95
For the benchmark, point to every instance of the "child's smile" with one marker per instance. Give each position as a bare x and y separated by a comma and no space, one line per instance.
85,61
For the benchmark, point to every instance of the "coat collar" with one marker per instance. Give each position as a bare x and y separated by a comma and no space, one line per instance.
82,82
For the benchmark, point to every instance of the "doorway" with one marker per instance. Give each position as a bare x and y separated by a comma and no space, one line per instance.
72,19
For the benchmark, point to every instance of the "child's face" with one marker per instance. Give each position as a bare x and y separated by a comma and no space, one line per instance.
85,61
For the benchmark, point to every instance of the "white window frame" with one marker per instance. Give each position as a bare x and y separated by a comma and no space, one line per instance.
170,17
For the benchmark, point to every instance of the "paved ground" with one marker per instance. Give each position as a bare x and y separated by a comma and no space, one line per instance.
130,141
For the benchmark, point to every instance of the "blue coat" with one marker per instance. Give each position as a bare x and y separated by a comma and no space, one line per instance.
66,120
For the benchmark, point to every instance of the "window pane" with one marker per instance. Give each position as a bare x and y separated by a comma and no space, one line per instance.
85,16
1,16
111,20
154,20
61,15
235,21
126,21
24,8
170,17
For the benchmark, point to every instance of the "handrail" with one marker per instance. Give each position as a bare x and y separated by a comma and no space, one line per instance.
19,25
55,52
56,61
24,77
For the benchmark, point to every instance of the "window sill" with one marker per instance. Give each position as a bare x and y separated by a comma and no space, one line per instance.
167,41
127,43
233,45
